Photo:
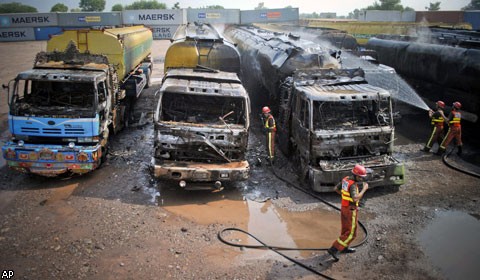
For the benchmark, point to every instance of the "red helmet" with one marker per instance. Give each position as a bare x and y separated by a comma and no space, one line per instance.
359,170
457,104
265,110
441,104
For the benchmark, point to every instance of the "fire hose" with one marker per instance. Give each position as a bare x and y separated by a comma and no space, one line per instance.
277,249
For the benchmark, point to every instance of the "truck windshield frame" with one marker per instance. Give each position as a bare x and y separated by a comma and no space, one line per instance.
190,108
53,98
359,114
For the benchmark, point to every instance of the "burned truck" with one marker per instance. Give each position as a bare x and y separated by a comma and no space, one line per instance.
202,116
328,118
64,110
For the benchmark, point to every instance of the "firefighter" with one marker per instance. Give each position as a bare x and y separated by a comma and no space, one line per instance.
270,128
454,129
437,120
349,189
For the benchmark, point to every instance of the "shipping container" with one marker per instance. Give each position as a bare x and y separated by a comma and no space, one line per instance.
229,16
90,19
155,17
44,33
28,20
270,15
388,16
472,17
17,34
451,17
163,31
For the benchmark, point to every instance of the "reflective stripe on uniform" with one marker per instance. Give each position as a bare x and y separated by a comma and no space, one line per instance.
347,241
429,143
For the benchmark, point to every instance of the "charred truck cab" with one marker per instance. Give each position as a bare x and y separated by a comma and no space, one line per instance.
63,111
202,117
201,128
337,120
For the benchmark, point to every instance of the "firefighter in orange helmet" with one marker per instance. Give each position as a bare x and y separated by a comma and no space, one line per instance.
349,189
454,129
271,129
437,120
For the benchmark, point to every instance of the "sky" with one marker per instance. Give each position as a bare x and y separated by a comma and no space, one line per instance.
341,7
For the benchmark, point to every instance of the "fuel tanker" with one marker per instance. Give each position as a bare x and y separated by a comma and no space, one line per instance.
202,117
79,92
328,119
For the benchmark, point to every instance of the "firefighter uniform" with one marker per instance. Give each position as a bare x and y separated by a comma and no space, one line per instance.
349,211
454,132
437,121
271,129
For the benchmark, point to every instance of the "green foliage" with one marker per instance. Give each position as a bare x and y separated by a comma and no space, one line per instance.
117,8
433,6
15,7
59,7
92,5
261,6
388,5
474,5
75,10
146,5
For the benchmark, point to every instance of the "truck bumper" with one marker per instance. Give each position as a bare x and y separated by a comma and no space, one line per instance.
384,172
51,160
201,172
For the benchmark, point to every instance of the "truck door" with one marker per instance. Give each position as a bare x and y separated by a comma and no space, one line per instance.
301,126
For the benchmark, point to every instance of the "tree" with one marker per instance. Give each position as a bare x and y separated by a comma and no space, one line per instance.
92,5
146,5
75,10
176,6
474,5
59,7
387,5
261,6
433,6
15,7
117,8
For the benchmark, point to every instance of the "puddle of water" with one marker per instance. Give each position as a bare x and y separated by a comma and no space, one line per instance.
273,225
451,242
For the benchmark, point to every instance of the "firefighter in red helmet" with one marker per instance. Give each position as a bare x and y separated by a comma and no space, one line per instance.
437,118
349,189
454,129
271,129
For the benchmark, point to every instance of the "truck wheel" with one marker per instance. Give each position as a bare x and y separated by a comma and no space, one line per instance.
103,158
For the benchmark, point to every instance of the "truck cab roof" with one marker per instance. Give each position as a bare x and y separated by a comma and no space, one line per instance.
62,75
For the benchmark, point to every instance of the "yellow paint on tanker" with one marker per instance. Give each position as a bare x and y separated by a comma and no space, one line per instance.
181,54
364,30
125,47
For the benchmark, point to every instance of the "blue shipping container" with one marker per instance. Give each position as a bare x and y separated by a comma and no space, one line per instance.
44,33
473,18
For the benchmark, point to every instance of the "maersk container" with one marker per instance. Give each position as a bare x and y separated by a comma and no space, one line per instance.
87,19
45,33
125,47
201,44
473,17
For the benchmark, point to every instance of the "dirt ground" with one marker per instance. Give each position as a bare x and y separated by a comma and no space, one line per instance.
119,223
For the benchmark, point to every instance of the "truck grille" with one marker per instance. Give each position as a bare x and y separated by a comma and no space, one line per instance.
53,131
29,130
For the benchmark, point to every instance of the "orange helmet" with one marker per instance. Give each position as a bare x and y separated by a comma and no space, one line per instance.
441,104
457,105
265,110
359,170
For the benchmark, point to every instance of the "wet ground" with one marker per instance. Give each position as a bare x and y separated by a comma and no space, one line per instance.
120,223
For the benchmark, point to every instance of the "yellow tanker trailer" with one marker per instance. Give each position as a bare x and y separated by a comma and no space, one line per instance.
81,90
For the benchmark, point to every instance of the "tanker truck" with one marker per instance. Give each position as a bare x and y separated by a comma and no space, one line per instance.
79,92
328,118
202,117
